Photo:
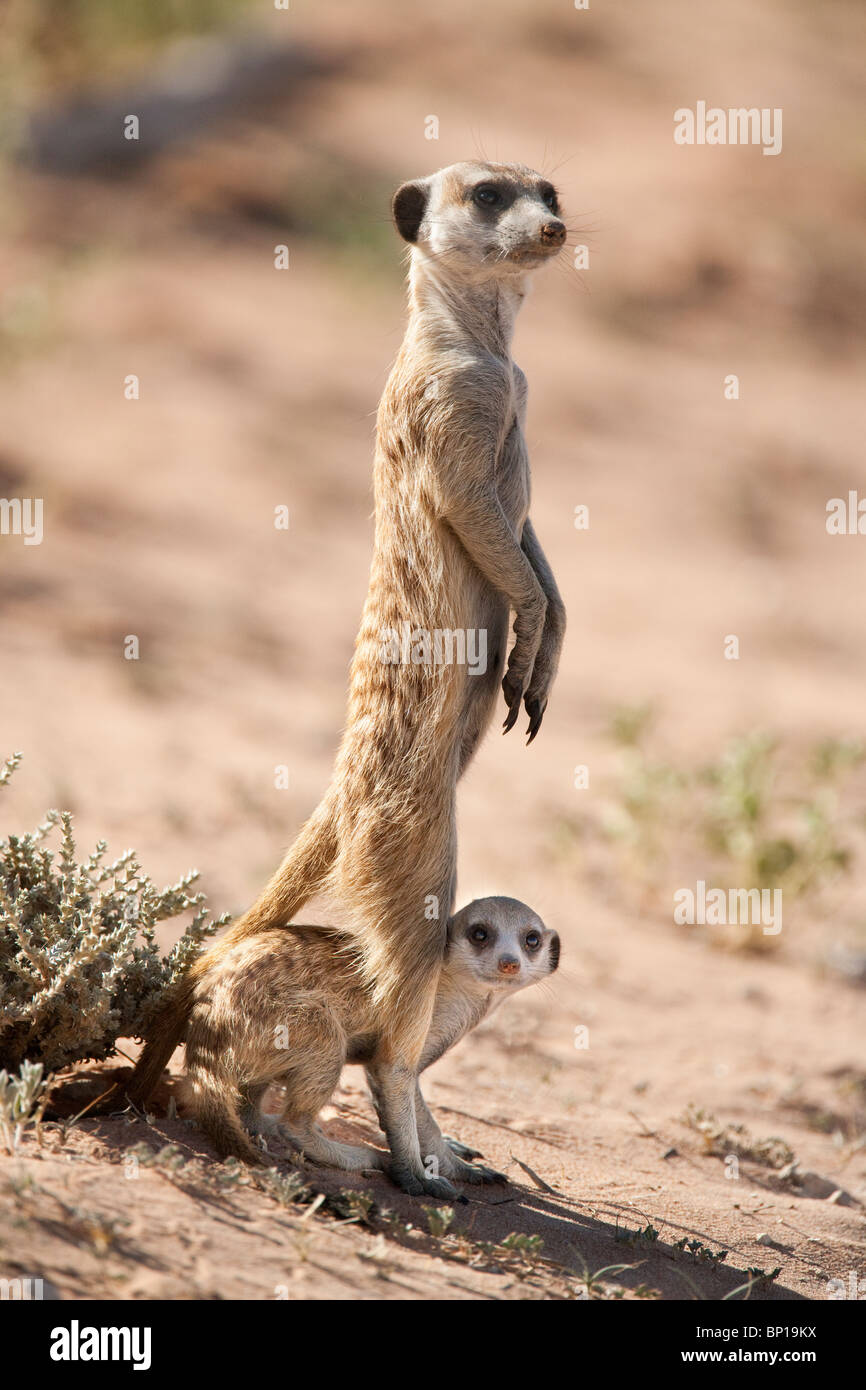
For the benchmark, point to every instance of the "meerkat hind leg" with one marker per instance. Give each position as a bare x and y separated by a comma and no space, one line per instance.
460,1149
393,1088
308,1137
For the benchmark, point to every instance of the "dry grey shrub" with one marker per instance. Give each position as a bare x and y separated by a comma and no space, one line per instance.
79,963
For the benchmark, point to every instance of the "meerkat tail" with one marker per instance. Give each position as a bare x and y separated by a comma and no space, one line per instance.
299,876
166,1032
402,984
301,873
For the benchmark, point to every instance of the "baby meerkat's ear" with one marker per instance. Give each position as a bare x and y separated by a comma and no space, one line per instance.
408,206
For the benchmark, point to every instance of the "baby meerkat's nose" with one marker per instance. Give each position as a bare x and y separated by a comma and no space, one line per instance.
553,233
509,965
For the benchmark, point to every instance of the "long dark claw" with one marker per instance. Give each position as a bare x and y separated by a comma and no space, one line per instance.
535,709
461,1150
476,1173
512,699
491,1174
512,717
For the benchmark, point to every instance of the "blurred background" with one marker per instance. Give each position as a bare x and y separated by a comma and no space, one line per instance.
258,389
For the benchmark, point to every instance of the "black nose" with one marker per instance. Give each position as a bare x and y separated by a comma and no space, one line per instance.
508,965
553,233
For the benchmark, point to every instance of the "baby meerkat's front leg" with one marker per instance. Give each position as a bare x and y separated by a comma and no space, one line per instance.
547,656
448,1155
392,1087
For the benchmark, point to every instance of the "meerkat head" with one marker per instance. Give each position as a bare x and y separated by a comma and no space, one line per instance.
481,221
502,944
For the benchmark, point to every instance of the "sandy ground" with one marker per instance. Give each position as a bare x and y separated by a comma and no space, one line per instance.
258,389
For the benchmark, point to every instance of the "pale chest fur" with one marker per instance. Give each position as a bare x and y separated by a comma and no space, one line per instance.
513,484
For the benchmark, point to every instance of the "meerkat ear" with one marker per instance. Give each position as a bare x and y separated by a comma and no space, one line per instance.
553,951
408,206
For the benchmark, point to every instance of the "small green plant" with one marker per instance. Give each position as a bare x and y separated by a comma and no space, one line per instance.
352,1205
229,1175
22,1100
701,1252
286,1188
597,1285
79,963
770,838
648,793
758,816
758,1279
438,1220
648,1235
168,1158
528,1249
761,1277
393,1223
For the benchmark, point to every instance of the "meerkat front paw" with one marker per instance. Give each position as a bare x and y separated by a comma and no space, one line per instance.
519,679
535,698
420,1186
514,684
544,671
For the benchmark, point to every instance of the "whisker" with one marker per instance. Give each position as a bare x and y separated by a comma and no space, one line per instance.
565,160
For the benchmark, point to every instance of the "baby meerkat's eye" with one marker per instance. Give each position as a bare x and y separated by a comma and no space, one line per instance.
478,934
550,199
486,195
532,940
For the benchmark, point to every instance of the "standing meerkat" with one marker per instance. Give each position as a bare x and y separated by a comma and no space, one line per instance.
289,1009
455,552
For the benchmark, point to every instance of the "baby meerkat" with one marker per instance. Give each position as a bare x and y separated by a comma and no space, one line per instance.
288,1008
455,554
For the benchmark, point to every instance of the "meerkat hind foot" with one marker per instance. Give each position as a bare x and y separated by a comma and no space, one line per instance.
314,1144
458,1170
461,1150
478,1173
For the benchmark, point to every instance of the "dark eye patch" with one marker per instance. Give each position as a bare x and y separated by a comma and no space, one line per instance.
488,196
549,196
479,934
